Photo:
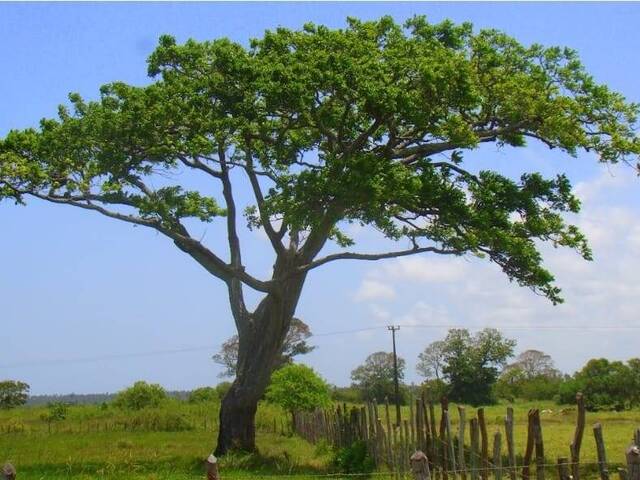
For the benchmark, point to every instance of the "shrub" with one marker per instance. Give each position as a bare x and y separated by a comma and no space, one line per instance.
140,395
13,394
298,387
203,395
353,459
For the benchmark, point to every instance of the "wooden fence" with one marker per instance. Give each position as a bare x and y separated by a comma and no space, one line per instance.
426,447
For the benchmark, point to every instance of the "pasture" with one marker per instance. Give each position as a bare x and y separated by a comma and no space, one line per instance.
170,442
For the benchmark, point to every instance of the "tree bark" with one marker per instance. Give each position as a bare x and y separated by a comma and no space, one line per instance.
261,336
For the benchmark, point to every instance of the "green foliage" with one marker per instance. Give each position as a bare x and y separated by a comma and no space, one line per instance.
298,387
605,384
434,390
203,395
353,459
346,394
375,377
367,124
471,364
56,411
140,395
13,394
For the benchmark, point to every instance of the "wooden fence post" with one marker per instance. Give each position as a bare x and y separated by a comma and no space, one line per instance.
473,458
563,468
461,425
212,468
484,446
633,462
497,456
511,452
537,429
8,472
602,458
577,437
529,449
420,466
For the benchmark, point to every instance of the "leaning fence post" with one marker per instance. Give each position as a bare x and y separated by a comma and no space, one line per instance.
602,458
529,449
420,466
9,472
577,438
633,462
212,468
484,445
473,458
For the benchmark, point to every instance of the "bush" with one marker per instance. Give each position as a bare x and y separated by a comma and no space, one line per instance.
298,387
222,388
434,390
353,459
203,395
56,411
140,395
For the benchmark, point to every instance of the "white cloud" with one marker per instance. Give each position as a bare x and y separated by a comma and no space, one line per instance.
374,290
425,269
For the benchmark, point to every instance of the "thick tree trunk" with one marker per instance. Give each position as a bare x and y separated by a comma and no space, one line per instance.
260,344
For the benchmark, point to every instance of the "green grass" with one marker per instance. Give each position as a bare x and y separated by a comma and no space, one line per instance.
111,444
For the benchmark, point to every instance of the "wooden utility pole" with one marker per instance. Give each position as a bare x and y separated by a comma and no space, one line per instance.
393,330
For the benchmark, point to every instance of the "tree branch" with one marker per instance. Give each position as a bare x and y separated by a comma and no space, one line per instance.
376,256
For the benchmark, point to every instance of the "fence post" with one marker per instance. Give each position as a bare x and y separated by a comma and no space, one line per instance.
212,468
511,451
484,446
602,458
529,449
473,458
563,468
461,425
633,462
497,456
537,429
420,466
577,437
8,472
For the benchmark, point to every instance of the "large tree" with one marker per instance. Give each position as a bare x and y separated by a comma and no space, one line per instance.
472,363
295,343
367,124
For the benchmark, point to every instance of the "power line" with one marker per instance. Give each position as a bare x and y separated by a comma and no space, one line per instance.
81,360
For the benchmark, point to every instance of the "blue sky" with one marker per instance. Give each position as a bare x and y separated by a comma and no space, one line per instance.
75,285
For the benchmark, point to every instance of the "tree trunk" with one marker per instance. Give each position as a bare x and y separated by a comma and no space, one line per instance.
261,336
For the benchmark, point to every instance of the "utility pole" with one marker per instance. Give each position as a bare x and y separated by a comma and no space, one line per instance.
393,329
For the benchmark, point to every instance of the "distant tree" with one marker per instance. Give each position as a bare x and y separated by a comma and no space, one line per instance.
375,377
431,361
534,363
606,385
294,344
472,363
13,394
203,395
140,395
298,387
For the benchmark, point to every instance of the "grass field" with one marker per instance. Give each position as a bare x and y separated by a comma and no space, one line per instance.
170,442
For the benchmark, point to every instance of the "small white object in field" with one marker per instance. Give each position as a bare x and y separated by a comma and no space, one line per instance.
212,459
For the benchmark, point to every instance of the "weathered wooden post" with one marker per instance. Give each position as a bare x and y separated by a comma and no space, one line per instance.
577,437
8,472
212,468
633,462
563,468
508,427
420,466
602,458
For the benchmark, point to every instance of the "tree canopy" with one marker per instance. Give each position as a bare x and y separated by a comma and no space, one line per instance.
365,124
375,377
13,394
